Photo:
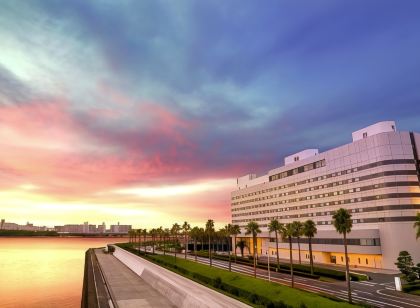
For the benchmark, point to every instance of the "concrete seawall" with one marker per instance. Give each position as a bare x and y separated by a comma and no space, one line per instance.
182,292
94,291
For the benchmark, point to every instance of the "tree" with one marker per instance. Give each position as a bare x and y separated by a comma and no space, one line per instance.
210,231
343,223
406,266
166,234
175,231
154,233
144,232
227,232
276,227
160,234
287,233
253,228
139,233
241,245
417,225
186,229
235,231
309,230
195,235
298,227
131,236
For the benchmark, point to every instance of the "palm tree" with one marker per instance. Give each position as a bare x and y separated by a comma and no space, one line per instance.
226,232
241,245
203,237
298,226
417,225
160,234
186,228
166,234
343,223
276,227
253,228
139,232
153,234
288,232
209,231
130,236
309,230
235,231
175,231
144,232
195,234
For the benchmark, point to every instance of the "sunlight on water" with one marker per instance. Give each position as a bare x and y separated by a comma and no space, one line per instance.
44,272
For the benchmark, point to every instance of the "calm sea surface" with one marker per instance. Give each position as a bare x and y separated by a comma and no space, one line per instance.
44,272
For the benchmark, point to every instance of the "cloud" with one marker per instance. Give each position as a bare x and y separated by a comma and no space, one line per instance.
96,97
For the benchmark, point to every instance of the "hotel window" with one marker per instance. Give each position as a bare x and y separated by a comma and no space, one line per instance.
364,135
367,261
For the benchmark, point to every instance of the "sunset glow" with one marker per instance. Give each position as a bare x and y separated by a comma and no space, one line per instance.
146,113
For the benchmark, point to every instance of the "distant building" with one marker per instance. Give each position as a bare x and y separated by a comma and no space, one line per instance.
102,228
10,226
13,226
31,227
120,228
84,228
376,178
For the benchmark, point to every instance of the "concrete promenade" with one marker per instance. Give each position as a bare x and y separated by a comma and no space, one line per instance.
135,282
127,289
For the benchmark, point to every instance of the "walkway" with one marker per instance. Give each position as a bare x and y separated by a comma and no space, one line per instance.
127,289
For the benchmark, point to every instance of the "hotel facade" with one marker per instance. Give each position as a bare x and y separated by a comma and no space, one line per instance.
376,178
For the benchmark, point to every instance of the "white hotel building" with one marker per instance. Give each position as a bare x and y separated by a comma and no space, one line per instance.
376,177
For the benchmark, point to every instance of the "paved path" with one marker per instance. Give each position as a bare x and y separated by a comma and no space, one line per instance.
182,291
127,288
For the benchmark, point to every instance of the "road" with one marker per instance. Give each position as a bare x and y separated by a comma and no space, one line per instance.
380,293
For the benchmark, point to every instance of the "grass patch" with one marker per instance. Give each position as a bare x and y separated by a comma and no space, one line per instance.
412,287
256,292
298,269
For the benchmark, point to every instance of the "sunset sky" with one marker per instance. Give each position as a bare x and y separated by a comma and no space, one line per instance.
145,112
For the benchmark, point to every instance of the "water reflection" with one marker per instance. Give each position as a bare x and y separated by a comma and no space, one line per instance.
44,272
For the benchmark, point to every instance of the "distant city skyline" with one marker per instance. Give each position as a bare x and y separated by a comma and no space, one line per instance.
147,111
84,227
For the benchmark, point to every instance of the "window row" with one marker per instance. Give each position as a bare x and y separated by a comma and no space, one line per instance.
332,184
305,168
329,213
330,194
330,222
319,178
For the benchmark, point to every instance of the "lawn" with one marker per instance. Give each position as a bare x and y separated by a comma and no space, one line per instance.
255,292
412,287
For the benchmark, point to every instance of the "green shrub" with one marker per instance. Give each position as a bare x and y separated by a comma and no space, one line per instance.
411,286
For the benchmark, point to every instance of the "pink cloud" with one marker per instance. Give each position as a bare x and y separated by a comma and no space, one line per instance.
72,156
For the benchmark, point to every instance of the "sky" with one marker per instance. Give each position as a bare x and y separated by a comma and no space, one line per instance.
145,112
